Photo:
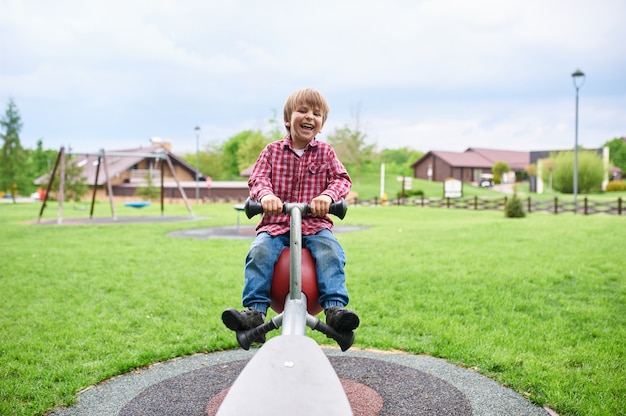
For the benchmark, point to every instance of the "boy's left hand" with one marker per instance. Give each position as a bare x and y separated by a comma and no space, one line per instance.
320,205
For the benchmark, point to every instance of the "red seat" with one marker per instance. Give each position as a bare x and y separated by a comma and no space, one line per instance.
280,282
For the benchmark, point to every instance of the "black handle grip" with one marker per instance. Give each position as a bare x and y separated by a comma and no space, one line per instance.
247,337
338,209
252,208
344,339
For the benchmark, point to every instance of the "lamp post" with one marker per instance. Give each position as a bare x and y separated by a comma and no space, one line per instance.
579,79
197,129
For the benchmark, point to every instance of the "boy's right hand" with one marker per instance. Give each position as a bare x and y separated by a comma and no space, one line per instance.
272,205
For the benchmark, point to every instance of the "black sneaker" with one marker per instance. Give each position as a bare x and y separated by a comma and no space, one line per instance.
341,319
240,321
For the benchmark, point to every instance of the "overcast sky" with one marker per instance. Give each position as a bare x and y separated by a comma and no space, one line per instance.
425,74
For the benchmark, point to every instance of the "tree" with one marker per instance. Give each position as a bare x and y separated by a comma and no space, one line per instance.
210,161
590,171
241,151
617,153
41,160
498,169
226,161
399,160
75,183
351,149
13,175
250,149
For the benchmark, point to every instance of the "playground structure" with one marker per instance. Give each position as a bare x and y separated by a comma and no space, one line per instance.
290,373
102,155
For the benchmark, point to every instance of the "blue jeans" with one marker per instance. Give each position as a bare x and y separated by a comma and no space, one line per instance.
329,257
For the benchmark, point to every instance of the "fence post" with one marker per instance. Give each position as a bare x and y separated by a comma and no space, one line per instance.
619,206
585,210
556,205
448,202
528,204
475,202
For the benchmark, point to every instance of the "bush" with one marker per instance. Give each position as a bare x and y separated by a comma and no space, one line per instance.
616,186
148,192
498,169
590,172
514,208
410,193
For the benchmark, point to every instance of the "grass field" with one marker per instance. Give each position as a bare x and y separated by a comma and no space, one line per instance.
538,304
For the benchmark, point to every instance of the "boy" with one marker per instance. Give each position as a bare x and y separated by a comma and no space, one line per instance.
297,168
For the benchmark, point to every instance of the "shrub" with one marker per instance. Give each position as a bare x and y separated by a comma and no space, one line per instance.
616,186
498,169
590,172
149,191
410,193
514,208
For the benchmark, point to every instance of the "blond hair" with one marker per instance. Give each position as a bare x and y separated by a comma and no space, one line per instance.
308,96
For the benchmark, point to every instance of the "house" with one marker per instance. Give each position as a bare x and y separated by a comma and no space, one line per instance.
467,166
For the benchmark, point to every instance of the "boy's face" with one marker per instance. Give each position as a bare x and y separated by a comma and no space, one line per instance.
305,123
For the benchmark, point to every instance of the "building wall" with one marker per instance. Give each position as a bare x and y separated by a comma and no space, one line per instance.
421,170
171,194
440,170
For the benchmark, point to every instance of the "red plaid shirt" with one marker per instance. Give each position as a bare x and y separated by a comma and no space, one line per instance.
292,178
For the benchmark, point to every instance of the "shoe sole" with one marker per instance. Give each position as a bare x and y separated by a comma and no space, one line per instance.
231,318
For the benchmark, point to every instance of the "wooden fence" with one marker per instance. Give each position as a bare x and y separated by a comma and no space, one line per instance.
555,206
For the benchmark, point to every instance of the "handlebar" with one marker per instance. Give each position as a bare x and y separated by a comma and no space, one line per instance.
344,339
338,209
246,337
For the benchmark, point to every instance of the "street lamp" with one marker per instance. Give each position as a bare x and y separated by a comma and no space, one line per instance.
197,129
579,79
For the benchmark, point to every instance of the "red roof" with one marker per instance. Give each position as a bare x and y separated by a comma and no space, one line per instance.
516,160
479,158
465,160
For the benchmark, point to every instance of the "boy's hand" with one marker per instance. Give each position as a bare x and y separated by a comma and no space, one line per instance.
272,205
320,205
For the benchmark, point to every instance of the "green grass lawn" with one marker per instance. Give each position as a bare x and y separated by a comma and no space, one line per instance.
538,304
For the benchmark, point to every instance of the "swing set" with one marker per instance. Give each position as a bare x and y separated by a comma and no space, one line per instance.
60,165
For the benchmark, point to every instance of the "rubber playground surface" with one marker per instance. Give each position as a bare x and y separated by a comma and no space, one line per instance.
375,382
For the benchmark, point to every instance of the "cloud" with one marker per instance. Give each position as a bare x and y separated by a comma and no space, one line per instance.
445,74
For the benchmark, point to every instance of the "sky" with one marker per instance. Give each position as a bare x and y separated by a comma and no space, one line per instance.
423,74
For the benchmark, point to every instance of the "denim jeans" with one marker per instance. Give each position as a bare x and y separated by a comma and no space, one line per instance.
329,257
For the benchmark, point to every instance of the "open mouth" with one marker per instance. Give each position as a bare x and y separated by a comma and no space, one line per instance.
306,126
